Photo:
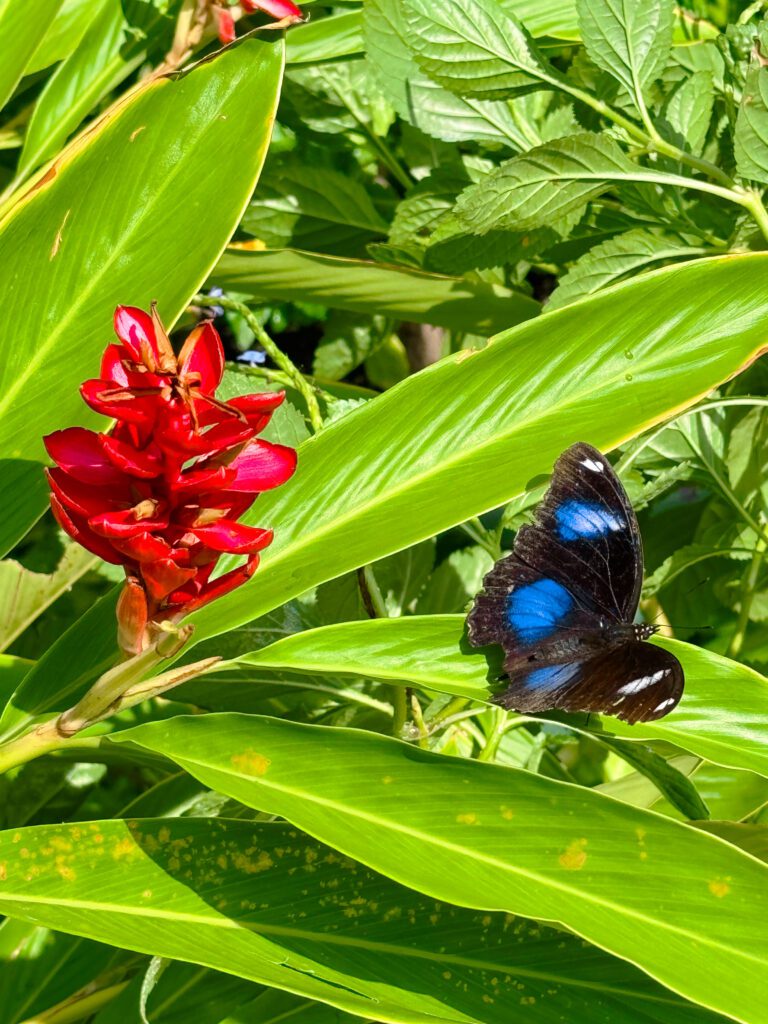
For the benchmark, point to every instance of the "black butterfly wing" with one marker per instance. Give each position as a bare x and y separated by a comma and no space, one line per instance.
577,568
637,682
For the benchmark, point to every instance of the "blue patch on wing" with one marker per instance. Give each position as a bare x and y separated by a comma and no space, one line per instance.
551,676
535,609
583,520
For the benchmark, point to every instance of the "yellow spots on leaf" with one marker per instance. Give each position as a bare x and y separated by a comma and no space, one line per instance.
124,849
222,861
447,975
574,857
486,921
434,918
135,132
719,887
3,871
147,894
388,779
250,865
16,837
61,844
467,819
164,834
65,870
527,1000
250,762
310,856
507,813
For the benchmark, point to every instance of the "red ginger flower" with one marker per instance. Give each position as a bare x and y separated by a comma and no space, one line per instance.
162,493
282,10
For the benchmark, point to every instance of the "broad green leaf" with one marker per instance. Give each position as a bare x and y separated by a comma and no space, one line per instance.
753,839
20,22
179,147
750,141
616,259
687,908
325,211
267,903
468,433
420,100
361,286
630,39
25,481
671,783
41,968
63,34
729,794
12,671
638,790
108,52
25,594
473,47
340,35
722,717
348,339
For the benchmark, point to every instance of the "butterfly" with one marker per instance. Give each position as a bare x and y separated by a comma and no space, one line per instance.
562,604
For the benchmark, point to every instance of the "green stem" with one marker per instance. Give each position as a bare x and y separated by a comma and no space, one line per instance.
79,1006
478,533
747,596
489,751
376,606
295,375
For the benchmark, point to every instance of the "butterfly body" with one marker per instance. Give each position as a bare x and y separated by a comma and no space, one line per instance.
562,603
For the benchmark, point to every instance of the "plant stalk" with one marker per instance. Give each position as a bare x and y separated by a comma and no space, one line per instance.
277,356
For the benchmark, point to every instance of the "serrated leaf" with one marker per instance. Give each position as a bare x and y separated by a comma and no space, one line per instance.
474,47
689,110
750,141
616,259
630,39
417,98
683,558
548,186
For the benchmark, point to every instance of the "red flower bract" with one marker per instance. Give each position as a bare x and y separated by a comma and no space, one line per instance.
284,11
161,494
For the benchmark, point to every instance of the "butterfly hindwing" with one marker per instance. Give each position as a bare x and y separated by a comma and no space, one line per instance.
634,681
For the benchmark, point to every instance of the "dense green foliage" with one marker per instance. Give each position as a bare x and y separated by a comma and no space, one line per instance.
477,231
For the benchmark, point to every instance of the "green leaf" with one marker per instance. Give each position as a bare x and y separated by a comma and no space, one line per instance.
20,22
181,146
348,339
679,561
750,142
326,211
108,52
670,782
41,968
361,286
721,717
463,437
420,100
63,34
548,186
267,903
473,47
630,39
689,110
618,258
682,905
25,594
340,35
454,582
26,481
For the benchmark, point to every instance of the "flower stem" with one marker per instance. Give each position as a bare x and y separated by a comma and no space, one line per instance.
277,356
